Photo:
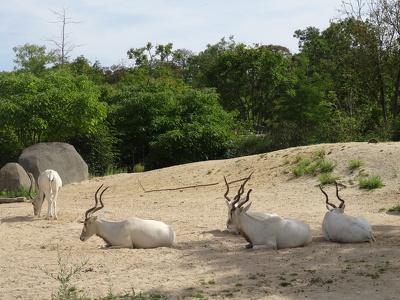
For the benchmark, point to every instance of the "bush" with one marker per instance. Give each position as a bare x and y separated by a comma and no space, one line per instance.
249,145
327,178
355,163
21,191
325,166
312,166
371,182
395,209
138,168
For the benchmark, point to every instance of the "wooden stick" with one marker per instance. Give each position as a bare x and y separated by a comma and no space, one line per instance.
12,200
189,187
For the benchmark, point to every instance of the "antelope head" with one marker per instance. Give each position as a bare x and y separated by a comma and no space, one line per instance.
335,209
36,202
88,225
234,204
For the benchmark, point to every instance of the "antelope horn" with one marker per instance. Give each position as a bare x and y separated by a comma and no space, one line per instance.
337,195
90,211
241,189
32,184
326,196
227,190
101,201
247,199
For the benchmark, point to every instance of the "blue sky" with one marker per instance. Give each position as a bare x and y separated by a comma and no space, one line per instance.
108,28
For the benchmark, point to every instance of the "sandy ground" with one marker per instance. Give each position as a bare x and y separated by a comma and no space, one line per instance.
207,261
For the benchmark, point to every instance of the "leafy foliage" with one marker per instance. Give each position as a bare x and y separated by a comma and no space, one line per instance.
174,106
371,182
50,108
169,125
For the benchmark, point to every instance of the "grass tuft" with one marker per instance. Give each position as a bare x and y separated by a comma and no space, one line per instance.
21,191
371,182
355,164
395,209
327,178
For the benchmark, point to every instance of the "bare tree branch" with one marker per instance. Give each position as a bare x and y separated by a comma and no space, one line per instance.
189,187
62,43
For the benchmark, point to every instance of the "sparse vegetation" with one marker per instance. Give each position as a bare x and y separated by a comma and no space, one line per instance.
395,209
138,168
371,182
67,291
316,165
19,192
354,164
111,170
327,178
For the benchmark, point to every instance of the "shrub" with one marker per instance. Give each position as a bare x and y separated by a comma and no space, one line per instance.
327,178
308,166
325,166
21,191
371,182
395,209
138,168
355,163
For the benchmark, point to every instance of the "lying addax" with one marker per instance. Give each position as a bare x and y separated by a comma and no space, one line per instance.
230,226
49,183
339,227
272,232
130,233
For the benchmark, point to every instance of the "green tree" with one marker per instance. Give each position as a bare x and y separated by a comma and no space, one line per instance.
249,79
33,58
162,123
53,107
341,55
198,129
160,61
82,66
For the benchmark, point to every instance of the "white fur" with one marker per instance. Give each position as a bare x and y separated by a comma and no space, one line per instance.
129,233
49,183
272,232
338,227
231,227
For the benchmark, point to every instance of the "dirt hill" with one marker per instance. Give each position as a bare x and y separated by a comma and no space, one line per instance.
206,261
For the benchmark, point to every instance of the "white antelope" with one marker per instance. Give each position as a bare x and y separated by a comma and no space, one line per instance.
129,233
272,232
230,226
339,227
49,184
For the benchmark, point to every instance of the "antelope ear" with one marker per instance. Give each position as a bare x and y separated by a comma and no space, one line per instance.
247,207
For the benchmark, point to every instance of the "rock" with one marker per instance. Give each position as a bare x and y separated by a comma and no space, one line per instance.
61,157
373,141
12,176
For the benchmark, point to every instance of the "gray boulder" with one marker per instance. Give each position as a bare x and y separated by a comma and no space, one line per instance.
60,157
12,176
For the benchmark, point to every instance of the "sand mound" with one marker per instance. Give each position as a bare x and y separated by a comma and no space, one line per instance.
206,260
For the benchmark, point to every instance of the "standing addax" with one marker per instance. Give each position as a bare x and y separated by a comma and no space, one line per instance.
129,233
49,183
272,232
339,227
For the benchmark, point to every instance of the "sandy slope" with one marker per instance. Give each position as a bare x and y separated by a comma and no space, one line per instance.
206,260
